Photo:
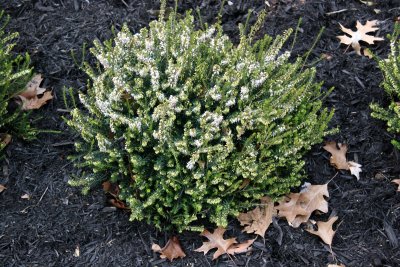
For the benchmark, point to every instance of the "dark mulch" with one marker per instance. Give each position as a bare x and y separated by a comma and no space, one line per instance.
46,229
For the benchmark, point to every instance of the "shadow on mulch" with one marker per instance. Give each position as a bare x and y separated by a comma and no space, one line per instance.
47,229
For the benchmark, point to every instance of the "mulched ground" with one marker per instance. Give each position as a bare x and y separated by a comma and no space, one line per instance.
46,229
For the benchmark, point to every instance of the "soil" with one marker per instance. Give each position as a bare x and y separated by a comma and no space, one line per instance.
57,220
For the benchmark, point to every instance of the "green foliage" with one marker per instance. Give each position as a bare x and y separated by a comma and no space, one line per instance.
191,126
391,72
14,74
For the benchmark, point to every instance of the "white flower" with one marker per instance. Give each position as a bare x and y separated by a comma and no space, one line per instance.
190,165
230,102
192,132
258,82
198,143
118,82
217,120
173,100
156,135
103,61
123,38
244,93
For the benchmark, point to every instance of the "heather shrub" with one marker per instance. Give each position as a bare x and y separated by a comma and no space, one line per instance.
192,126
14,74
390,68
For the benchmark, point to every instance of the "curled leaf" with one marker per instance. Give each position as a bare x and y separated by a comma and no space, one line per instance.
2,188
339,161
397,181
34,96
338,158
171,250
355,169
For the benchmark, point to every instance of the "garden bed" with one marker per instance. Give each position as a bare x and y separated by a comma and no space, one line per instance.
47,228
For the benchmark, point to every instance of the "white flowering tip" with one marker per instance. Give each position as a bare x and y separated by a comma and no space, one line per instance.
173,100
217,120
190,165
192,132
198,143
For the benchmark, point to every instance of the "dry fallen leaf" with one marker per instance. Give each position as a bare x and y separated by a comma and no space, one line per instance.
118,204
290,208
2,188
35,103
355,169
77,252
359,35
311,199
26,196
368,54
5,139
338,158
325,231
326,56
368,3
29,96
216,241
397,181
113,191
339,161
33,88
240,248
171,250
258,220
110,188
335,265
377,11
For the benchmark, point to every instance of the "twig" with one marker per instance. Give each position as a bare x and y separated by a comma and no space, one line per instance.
62,144
42,196
339,11
333,177
125,3
63,110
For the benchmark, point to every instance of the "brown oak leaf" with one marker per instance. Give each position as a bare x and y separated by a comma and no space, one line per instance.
290,208
359,35
113,191
258,220
339,161
2,188
397,181
216,241
171,250
325,231
240,248
338,158
30,96
311,198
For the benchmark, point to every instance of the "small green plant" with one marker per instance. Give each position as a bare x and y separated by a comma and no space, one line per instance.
192,126
14,75
390,68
